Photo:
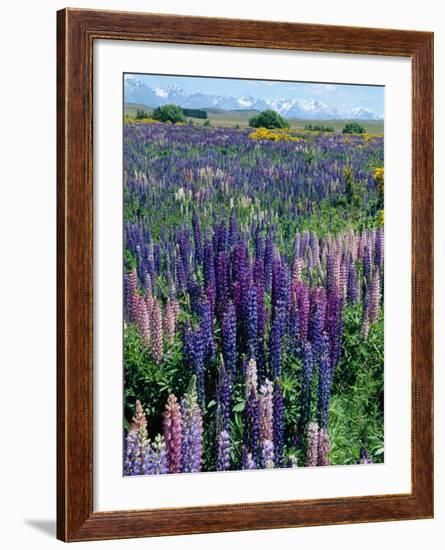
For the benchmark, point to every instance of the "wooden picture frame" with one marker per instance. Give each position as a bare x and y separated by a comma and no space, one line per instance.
76,32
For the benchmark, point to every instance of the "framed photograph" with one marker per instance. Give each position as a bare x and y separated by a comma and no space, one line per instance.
245,275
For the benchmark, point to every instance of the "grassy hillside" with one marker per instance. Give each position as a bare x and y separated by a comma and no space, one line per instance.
222,118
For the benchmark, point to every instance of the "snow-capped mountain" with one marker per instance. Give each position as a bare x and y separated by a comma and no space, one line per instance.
137,91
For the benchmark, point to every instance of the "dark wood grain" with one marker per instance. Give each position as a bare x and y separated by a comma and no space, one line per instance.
76,31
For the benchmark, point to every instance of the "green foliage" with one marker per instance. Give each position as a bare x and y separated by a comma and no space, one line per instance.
269,119
195,113
319,128
353,128
207,124
141,114
356,412
169,113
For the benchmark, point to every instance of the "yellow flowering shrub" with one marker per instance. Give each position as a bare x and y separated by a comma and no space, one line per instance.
273,135
132,120
379,176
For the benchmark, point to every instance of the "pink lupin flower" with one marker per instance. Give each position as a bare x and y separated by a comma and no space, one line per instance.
143,320
139,421
157,346
173,433
251,377
312,444
266,411
175,308
297,269
365,326
374,298
323,448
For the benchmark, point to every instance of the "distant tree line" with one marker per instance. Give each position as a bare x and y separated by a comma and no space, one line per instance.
195,113
172,113
319,128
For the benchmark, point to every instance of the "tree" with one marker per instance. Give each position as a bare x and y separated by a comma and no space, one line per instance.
353,128
269,119
169,113
195,113
140,114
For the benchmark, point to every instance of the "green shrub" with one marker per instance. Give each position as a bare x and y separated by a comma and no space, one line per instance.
353,128
169,113
269,119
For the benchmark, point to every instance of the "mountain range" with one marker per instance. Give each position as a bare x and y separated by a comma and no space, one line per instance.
136,91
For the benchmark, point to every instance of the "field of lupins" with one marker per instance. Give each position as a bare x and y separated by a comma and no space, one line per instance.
253,278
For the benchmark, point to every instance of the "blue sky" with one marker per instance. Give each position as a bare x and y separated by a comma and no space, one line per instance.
333,94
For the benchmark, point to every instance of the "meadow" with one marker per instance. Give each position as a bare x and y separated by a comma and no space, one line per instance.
221,118
253,287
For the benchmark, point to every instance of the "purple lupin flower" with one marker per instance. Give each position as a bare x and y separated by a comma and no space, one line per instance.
267,454
222,291
156,458
136,442
191,451
367,262
251,428
248,462
172,425
334,324
324,383
379,248
261,308
251,321
306,384
268,261
223,451
209,266
364,457
181,275
127,296
223,399
134,295
352,286
229,339
132,455
323,448
312,444
206,325
275,343
197,238
317,321
278,422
